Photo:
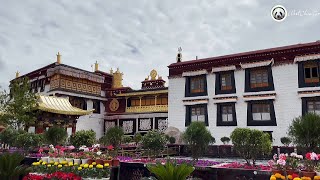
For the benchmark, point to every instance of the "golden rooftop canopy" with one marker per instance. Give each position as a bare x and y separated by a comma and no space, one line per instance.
59,105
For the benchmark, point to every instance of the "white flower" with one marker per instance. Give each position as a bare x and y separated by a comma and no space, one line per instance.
99,153
293,154
299,156
281,162
314,156
96,145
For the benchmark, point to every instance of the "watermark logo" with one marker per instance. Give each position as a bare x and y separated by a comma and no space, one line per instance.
279,13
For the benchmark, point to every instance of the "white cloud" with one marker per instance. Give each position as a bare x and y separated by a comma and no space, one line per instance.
138,36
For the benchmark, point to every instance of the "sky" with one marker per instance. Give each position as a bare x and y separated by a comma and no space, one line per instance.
141,35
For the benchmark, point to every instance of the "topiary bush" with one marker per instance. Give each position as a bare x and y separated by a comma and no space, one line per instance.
28,141
126,139
55,135
154,142
285,141
83,137
137,138
112,137
250,143
198,138
225,140
8,136
305,131
172,140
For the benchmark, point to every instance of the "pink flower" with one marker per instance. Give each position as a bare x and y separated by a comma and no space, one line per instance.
282,157
275,156
281,162
271,163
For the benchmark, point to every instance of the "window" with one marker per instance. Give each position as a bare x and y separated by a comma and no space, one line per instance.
225,83
135,102
226,114
196,113
78,102
96,107
259,79
196,86
261,113
308,73
162,100
311,105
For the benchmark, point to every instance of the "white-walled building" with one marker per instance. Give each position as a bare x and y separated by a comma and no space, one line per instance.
264,90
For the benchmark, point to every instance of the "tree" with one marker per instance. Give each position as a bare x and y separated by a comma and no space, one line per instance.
154,141
55,135
19,106
250,143
113,137
225,140
198,137
305,131
285,141
80,138
9,135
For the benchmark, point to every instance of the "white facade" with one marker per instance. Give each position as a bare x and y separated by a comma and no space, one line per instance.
287,103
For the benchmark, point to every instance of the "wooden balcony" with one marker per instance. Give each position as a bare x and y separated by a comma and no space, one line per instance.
142,109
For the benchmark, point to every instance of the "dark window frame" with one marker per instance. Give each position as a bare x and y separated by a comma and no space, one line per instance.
188,92
97,109
305,101
218,89
220,122
301,74
248,87
188,113
251,122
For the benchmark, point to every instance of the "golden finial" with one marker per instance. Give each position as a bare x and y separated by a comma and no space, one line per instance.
153,74
59,58
117,79
17,74
96,66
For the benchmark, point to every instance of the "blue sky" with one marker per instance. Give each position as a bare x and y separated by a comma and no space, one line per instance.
141,35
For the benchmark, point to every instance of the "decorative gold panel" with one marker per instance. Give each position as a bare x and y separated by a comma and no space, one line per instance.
141,109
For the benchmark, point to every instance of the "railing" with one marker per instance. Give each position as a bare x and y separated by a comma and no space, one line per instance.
155,108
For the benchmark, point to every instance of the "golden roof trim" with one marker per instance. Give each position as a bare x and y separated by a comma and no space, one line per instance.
59,105
142,93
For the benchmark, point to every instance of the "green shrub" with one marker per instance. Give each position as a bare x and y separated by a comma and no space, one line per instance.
29,140
225,140
10,168
112,137
305,131
126,139
55,135
154,142
137,138
83,137
171,171
285,141
198,138
172,140
250,143
8,136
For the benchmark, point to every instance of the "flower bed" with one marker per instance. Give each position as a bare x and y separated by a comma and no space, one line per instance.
236,165
56,175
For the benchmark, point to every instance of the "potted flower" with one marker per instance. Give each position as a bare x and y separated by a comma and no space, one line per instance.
292,163
77,158
84,157
106,159
98,158
69,157
278,164
309,164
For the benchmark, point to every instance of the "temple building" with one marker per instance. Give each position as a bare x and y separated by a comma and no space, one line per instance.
137,110
83,90
264,89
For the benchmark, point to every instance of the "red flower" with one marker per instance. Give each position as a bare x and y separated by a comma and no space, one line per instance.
110,147
294,175
308,156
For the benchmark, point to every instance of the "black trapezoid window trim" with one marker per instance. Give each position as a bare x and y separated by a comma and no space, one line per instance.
188,92
220,122
188,113
251,122
248,87
305,101
301,74
218,89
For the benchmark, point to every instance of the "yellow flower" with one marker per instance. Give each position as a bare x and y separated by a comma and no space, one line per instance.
75,164
306,178
59,166
277,175
296,178
51,162
290,177
81,165
94,163
70,164
106,164
283,178
90,166
99,166
86,165
34,163
44,163
64,162
273,177
316,178
40,161
49,165
79,168
56,163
